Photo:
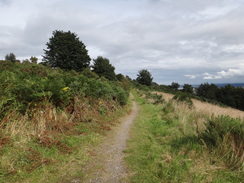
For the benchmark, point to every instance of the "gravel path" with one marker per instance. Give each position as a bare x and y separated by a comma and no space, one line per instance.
107,165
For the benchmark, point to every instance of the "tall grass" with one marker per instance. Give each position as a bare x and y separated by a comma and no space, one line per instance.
172,143
224,137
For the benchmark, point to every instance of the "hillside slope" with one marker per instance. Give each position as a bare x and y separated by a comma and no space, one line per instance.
208,108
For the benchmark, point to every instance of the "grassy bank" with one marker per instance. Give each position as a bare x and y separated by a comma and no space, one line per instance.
49,118
172,143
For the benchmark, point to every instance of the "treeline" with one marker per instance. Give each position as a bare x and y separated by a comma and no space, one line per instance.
228,95
65,51
66,72
54,108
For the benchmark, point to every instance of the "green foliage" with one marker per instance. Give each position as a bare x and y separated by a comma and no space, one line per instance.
50,117
187,88
167,146
228,95
124,82
33,60
26,85
175,86
10,57
225,137
154,98
207,90
103,68
66,51
162,88
144,77
183,97
88,73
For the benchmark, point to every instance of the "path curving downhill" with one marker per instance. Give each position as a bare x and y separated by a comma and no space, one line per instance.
107,165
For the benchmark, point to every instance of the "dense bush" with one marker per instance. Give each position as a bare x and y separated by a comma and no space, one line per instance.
183,97
23,86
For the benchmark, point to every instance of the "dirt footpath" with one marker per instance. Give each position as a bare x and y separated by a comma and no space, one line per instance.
107,165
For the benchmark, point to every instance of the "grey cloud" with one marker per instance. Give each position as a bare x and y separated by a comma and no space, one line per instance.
176,39
5,2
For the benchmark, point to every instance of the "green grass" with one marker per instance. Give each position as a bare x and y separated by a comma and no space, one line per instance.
58,154
166,146
49,119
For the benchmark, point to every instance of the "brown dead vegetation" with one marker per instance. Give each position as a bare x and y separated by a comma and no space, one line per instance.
36,160
51,139
49,127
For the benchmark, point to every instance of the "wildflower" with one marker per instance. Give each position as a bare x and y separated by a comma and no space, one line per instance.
65,88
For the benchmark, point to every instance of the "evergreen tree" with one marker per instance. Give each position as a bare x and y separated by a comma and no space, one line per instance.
11,57
66,51
102,67
175,85
144,77
188,88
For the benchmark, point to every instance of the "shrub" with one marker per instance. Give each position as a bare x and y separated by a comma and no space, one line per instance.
26,85
183,97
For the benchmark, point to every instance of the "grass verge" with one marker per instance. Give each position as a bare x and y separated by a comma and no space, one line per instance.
170,142
54,145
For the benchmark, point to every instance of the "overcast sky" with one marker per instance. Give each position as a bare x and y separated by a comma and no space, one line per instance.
185,41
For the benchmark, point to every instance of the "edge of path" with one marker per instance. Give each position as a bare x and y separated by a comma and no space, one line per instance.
107,163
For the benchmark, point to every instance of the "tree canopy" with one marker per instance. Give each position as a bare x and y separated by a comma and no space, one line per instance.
34,60
66,51
207,90
175,85
188,88
102,67
144,77
11,57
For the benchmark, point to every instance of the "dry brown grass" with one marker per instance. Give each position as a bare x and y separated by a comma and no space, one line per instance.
208,108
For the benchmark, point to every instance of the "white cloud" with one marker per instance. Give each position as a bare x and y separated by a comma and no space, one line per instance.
215,12
191,76
230,73
239,48
210,76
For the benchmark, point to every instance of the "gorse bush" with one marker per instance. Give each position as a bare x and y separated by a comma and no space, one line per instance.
25,85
